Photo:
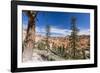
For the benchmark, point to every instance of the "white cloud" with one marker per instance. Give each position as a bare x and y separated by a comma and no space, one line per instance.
58,32
84,32
54,31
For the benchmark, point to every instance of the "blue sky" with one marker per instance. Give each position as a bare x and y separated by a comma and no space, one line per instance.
60,22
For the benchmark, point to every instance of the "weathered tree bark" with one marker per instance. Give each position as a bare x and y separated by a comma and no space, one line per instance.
29,42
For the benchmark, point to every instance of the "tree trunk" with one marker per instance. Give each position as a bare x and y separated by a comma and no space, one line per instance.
29,42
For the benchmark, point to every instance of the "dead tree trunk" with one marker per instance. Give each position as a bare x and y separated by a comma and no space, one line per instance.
29,42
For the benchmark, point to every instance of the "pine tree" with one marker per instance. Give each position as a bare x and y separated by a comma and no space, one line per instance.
47,36
73,37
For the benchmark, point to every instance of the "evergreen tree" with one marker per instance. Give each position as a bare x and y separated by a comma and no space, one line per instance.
73,37
47,36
